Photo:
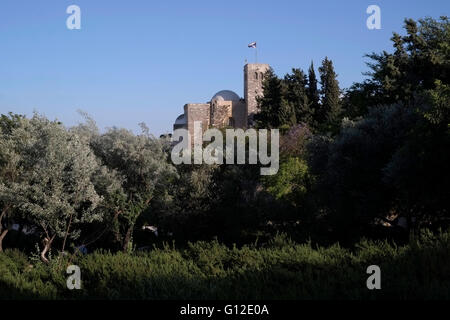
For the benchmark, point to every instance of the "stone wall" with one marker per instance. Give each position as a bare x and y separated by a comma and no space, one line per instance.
197,112
221,112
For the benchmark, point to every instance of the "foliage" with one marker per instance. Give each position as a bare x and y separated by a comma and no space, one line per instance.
296,96
340,179
274,111
292,181
421,57
418,169
329,114
142,166
351,168
54,189
295,99
390,161
9,170
313,95
280,270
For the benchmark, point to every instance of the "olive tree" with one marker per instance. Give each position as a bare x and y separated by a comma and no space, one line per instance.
10,171
55,190
142,170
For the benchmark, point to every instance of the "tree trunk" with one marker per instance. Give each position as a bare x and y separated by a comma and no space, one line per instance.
3,232
67,233
47,246
127,238
2,236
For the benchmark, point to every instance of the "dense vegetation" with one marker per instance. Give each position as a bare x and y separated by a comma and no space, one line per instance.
369,162
281,269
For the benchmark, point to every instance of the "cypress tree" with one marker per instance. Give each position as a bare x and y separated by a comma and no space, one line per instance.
296,95
313,94
272,109
330,112
287,116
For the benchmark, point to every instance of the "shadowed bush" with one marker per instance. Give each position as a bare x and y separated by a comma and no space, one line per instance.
282,269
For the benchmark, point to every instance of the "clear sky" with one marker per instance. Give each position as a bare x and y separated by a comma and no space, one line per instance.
142,60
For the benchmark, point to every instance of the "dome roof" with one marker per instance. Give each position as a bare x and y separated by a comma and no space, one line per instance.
226,95
181,119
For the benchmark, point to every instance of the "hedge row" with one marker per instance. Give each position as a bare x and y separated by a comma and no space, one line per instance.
208,270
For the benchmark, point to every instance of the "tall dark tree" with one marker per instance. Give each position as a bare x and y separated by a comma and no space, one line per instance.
274,112
313,92
296,95
420,58
329,115
393,159
287,117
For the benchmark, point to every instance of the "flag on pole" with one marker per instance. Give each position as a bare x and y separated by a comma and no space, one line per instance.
252,45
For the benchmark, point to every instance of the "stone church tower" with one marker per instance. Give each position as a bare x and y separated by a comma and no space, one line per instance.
226,108
253,77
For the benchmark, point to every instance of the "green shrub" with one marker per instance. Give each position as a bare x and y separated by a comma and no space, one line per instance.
282,269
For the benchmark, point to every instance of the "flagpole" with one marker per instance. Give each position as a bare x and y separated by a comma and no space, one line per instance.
254,46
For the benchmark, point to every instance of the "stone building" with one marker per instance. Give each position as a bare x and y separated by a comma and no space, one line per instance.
226,108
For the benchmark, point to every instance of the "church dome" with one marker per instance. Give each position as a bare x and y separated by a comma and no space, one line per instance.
225,95
181,119
180,123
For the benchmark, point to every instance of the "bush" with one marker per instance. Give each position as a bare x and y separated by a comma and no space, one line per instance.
281,269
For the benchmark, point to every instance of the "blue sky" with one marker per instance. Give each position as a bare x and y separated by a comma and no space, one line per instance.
141,61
